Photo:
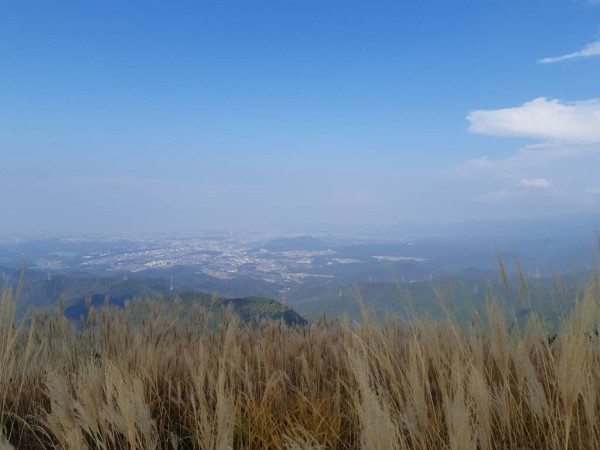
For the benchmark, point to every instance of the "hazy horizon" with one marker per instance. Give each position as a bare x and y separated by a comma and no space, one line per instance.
154,117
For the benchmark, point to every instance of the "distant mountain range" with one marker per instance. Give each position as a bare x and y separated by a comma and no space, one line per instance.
507,230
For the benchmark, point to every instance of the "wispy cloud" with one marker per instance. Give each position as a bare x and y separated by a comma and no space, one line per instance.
525,188
526,158
535,183
542,118
592,49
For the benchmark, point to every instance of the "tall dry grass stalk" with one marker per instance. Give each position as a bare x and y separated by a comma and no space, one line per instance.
155,376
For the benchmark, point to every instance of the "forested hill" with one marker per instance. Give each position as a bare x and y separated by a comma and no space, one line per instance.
41,292
248,309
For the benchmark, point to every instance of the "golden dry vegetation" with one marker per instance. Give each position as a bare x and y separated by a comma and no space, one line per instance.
151,379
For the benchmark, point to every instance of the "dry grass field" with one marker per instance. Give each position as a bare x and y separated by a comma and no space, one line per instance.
151,376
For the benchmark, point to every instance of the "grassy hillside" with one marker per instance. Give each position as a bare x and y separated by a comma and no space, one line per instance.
173,381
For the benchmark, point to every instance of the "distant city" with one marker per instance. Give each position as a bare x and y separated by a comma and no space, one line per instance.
310,273
279,260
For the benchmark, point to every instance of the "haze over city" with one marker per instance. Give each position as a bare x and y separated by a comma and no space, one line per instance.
319,116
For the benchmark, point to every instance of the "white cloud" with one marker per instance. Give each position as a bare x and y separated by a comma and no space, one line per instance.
550,120
535,183
592,49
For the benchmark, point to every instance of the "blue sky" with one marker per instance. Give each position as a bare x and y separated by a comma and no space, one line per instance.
164,116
